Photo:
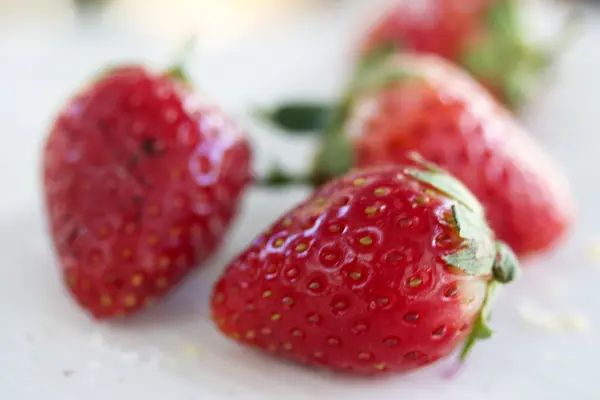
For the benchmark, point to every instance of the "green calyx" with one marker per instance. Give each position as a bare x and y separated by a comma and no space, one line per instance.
477,255
505,270
480,255
504,61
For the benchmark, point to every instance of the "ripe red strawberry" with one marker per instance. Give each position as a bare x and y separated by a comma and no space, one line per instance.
413,102
486,37
384,269
142,178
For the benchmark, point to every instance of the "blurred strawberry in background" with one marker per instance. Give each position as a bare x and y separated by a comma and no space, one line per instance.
486,37
416,102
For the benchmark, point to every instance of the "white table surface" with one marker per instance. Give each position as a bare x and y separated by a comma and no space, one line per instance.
50,350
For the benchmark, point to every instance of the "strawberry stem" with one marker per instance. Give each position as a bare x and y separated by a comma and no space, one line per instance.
506,269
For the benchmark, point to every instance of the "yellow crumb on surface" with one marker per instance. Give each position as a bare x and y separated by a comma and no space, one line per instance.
594,251
577,322
537,317
192,350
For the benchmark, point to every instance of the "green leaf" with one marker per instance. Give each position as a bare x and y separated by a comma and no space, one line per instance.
447,185
506,267
335,158
299,117
278,177
481,329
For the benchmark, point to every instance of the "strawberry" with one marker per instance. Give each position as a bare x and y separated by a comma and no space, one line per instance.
486,37
385,269
415,102
142,178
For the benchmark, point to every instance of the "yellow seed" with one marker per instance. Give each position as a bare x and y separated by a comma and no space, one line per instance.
221,322
70,281
272,348
366,241
152,240
219,298
287,346
301,247
382,300
314,285
267,294
380,366
320,202
275,317
235,336
137,279
149,302
359,181
130,300
335,228
381,191
286,222
355,276
318,354
364,355
279,243
178,202
372,210
250,335
414,282
126,254
288,301
297,332
103,232
164,262
105,301
161,282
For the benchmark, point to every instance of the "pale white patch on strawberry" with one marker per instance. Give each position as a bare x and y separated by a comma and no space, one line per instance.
364,110
427,12
472,295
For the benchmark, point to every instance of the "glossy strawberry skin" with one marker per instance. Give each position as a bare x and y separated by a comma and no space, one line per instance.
354,279
142,180
443,114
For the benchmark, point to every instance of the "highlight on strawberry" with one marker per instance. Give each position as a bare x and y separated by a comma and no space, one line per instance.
386,269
